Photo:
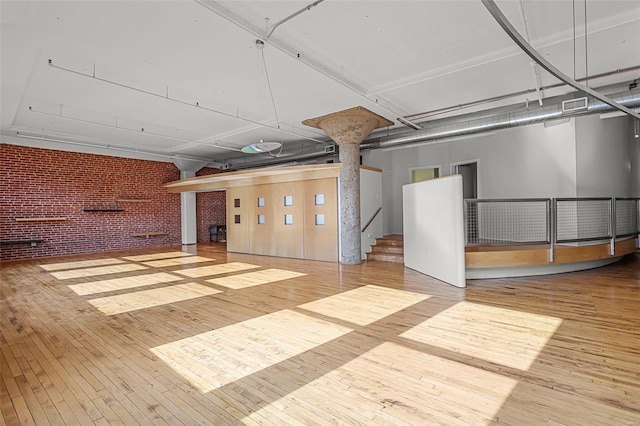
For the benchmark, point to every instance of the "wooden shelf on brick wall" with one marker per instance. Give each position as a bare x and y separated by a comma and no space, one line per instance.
40,219
133,200
103,209
31,242
148,234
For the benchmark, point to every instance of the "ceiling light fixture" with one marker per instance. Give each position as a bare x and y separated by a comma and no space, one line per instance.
263,147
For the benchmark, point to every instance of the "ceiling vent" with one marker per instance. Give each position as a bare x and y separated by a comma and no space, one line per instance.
329,149
573,105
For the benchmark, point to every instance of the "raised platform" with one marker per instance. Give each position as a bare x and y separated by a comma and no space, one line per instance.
487,261
501,261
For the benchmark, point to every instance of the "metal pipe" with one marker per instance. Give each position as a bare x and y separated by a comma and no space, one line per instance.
498,122
427,114
282,21
612,212
495,11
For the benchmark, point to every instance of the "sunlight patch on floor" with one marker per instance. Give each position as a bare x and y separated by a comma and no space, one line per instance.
80,264
123,283
366,390
365,305
178,261
219,357
251,279
224,268
156,256
101,270
503,336
112,305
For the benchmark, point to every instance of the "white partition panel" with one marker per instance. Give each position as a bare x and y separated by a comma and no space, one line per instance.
434,229
370,203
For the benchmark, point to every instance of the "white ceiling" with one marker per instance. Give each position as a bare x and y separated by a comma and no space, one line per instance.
396,58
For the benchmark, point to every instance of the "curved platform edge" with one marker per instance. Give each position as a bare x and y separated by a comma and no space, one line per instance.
525,271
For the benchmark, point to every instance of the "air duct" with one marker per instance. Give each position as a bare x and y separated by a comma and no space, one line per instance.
491,120
502,121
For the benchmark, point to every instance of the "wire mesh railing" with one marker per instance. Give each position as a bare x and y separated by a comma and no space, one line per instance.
583,219
550,220
519,221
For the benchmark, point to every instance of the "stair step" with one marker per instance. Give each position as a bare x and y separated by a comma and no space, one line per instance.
389,242
396,258
387,249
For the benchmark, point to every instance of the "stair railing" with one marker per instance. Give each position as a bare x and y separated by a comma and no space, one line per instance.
371,220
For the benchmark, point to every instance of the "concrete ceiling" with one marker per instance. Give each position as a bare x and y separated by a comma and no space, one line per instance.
191,75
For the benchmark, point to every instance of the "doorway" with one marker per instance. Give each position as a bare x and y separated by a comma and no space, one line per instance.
469,172
419,174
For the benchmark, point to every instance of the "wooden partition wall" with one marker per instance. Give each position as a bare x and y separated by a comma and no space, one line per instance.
296,219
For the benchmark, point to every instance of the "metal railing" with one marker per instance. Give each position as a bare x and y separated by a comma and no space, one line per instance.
550,221
364,228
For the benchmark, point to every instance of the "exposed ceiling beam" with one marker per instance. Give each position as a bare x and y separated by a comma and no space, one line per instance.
497,14
318,66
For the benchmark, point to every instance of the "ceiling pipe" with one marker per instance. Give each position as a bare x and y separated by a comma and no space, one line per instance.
497,14
455,127
218,8
293,15
525,117
422,116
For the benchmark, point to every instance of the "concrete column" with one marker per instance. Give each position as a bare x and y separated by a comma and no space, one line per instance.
348,129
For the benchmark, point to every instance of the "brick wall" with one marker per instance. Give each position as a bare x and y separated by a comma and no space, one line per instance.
210,207
47,183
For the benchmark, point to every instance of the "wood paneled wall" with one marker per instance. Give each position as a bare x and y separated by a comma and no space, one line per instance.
302,238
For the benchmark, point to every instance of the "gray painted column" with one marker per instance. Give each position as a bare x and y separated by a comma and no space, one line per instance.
348,128
188,222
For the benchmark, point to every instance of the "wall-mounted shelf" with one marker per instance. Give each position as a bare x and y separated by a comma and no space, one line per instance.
103,209
40,219
32,242
133,200
148,234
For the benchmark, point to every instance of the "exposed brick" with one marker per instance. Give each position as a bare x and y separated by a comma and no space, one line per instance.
48,183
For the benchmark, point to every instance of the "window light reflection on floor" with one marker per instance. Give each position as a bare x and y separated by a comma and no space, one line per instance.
224,268
393,384
251,279
156,256
215,358
466,328
178,261
101,270
365,305
123,283
112,305
80,264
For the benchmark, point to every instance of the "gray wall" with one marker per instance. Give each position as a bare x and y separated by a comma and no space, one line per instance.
529,161
604,152
635,161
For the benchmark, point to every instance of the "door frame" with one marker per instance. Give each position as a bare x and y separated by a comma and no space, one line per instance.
469,161
411,169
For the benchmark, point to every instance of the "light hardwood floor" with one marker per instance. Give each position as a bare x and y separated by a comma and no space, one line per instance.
205,337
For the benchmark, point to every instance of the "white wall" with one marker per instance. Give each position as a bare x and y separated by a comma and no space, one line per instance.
382,160
523,162
434,229
634,163
370,202
604,156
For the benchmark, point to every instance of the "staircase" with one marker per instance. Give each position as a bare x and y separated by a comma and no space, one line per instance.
389,248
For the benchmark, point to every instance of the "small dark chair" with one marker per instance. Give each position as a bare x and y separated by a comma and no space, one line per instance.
219,232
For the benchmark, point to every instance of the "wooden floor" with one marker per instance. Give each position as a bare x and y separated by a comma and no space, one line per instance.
165,337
